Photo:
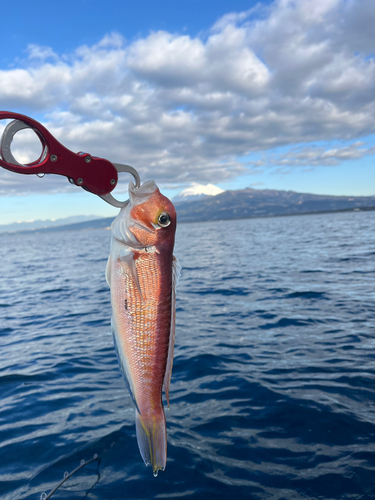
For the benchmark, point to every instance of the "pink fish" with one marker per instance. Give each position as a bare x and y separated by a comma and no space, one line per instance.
142,274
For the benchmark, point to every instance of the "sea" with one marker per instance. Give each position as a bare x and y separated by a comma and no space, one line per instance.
273,385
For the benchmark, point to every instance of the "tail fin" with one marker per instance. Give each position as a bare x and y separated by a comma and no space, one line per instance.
152,440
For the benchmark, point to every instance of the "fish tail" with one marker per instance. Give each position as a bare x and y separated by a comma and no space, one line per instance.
152,440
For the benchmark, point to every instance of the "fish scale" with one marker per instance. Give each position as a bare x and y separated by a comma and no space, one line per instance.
142,274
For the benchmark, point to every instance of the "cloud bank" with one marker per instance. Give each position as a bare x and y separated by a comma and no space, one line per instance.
183,109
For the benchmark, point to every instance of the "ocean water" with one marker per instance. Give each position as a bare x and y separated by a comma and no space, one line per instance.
273,385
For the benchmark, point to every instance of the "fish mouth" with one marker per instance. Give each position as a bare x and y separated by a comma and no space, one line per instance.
125,227
137,196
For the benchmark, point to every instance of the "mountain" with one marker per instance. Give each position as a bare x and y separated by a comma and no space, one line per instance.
196,192
39,224
102,223
251,202
239,204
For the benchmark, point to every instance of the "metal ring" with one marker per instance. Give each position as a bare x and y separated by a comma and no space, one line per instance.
10,131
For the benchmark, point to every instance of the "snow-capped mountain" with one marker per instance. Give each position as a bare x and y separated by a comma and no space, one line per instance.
243,203
197,191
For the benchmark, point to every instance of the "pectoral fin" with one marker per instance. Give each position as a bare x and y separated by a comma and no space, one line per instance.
176,268
128,260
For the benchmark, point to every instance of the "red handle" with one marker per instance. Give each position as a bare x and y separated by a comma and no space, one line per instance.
97,175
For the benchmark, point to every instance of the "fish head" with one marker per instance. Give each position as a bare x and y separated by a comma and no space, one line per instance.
148,220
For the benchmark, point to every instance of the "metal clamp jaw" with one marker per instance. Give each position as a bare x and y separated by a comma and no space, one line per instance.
122,168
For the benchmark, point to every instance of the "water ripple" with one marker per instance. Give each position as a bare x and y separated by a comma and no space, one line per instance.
273,385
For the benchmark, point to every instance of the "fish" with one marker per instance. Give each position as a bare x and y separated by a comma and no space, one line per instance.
142,274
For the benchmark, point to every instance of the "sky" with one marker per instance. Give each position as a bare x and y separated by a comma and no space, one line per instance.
270,95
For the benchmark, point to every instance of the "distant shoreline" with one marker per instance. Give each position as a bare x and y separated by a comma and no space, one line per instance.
105,223
361,209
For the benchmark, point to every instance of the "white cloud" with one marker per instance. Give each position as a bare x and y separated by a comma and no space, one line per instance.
317,155
184,109
39,52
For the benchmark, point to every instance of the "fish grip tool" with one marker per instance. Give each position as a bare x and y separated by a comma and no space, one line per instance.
96,175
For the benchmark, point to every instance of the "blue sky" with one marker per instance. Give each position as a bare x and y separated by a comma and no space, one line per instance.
277,95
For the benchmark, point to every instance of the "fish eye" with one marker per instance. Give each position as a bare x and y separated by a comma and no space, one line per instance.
164,219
